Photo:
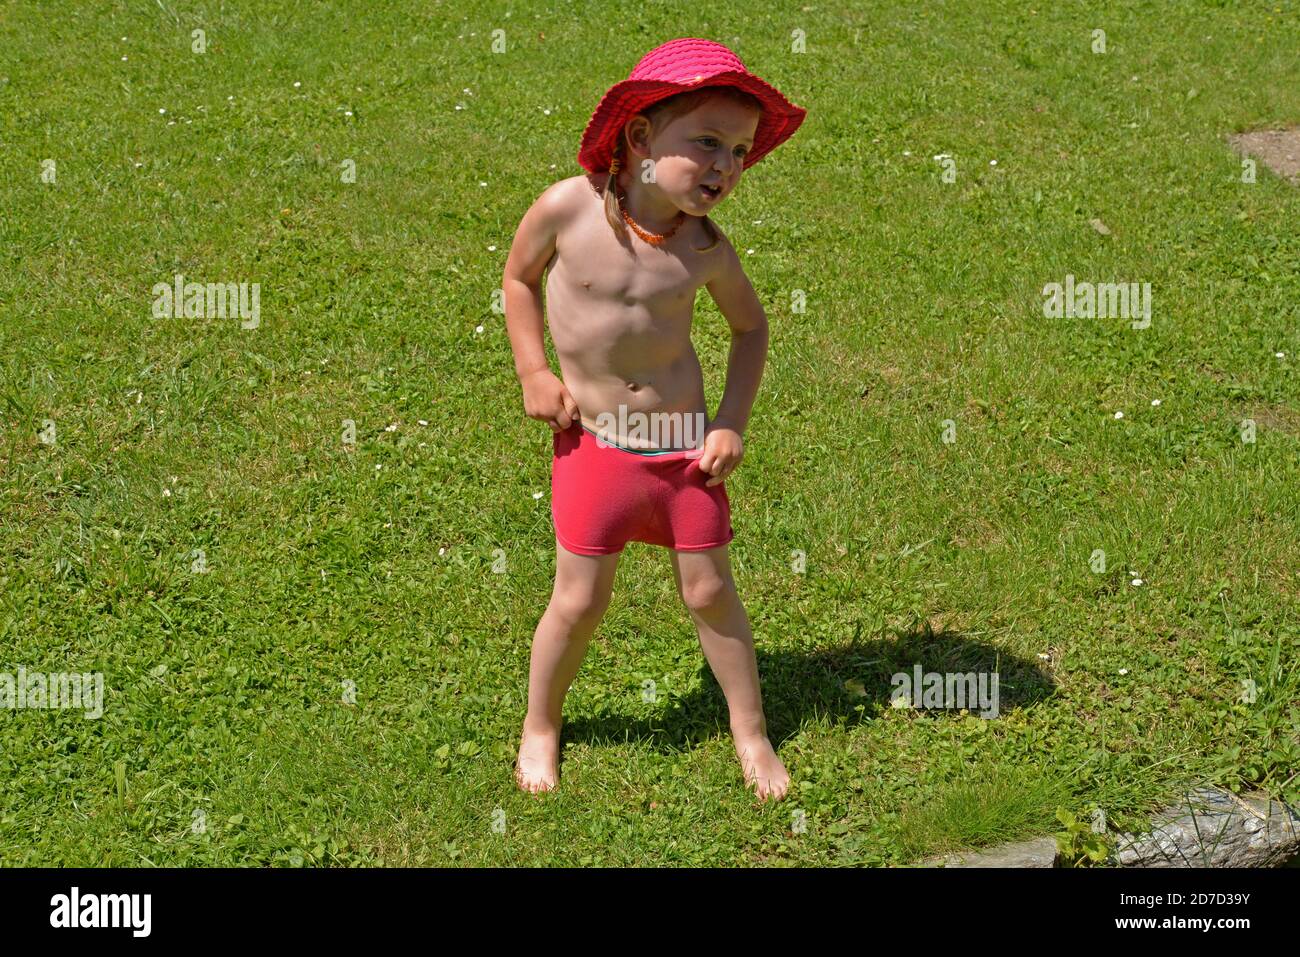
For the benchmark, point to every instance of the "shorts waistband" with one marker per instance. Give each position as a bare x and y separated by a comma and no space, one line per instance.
625,448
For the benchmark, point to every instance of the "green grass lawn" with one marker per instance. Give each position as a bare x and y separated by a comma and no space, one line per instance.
368,571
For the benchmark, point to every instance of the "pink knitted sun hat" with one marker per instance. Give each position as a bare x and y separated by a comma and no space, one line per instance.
672,68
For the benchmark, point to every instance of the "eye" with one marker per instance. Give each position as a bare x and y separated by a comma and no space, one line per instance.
711,143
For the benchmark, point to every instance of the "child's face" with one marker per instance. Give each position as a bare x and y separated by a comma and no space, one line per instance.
705,146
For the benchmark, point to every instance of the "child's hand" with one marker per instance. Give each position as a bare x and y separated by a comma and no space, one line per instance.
722,452
546,398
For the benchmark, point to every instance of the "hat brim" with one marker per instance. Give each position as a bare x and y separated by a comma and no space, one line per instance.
780,118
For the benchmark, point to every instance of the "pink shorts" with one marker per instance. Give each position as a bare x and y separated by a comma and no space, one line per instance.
603,497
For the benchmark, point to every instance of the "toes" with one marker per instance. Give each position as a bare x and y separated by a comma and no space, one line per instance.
534,784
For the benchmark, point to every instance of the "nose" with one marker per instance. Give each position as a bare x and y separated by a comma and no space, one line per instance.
726,165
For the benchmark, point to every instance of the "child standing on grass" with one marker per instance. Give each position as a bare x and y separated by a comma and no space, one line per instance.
627,246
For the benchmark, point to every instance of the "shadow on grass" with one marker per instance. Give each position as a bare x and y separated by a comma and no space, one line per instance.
848,685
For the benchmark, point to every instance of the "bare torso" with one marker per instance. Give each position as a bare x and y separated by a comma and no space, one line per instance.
620,317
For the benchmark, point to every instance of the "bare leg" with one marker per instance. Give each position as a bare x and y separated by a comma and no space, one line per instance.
583,584
705,584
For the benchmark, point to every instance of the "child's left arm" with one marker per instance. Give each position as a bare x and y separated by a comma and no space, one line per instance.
738,303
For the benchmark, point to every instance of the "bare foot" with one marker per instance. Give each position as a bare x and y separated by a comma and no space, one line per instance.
538,768
762,768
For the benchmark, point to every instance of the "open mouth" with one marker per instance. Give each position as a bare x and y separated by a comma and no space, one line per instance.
711,192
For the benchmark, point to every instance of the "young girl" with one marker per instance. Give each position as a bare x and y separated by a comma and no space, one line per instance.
627,247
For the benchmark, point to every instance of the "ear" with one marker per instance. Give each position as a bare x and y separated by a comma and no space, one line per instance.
636,132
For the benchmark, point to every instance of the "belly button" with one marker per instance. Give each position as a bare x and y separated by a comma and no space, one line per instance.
633,387
586,285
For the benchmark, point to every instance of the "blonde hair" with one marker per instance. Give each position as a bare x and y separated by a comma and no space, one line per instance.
664,112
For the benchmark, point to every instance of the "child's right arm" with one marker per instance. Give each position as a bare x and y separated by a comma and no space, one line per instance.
545,396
